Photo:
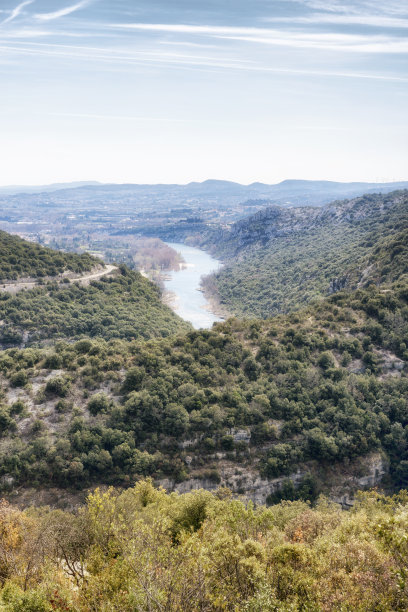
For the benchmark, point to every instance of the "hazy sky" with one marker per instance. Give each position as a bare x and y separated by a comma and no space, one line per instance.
178,90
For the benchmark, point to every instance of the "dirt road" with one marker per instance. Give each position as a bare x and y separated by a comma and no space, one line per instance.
30,284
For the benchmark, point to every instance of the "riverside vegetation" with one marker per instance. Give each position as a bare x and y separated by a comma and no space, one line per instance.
101,384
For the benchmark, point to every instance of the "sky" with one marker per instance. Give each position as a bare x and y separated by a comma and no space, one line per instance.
171,91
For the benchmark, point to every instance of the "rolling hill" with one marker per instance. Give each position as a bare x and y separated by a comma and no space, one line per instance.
288,192
298,404
48,295
22,259
281,259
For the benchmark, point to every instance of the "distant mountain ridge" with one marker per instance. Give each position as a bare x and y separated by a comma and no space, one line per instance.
290,192
15,189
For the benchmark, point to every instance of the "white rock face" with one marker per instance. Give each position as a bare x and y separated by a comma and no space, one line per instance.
241,435
253,487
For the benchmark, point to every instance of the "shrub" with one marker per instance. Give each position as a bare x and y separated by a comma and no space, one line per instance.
19,379
58,386
98,403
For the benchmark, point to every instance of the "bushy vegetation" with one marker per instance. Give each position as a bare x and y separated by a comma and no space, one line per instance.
19,258
124,305
278,261
149,254
321,387
144,549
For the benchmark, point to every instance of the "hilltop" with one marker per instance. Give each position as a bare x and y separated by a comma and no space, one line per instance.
20,259
48,295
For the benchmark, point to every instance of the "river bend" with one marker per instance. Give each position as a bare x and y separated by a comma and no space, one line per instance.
183,286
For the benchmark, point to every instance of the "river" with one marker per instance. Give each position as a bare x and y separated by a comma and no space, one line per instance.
183,285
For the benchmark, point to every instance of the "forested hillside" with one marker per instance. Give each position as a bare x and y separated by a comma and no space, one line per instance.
64,301
281,259
19,258
120,305
145,550
300,396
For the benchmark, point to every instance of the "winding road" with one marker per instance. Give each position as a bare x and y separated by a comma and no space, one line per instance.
19,285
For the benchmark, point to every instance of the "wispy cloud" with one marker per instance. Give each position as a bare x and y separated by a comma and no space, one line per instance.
139,119
368,7
24,33
17,11
144,58
379,21
364,43
62,12
334,42
136,58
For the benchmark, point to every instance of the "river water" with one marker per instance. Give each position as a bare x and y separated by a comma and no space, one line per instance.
184,286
